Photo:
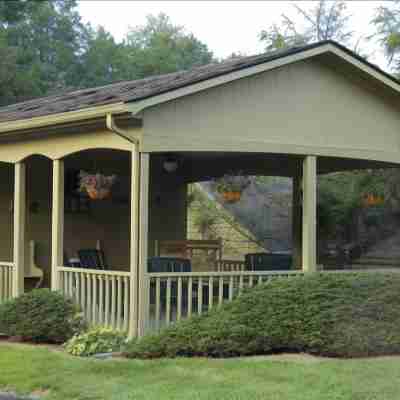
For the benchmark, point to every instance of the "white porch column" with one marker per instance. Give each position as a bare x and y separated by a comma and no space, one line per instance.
19,228
143,292
297,225
134,242
309,214
57,223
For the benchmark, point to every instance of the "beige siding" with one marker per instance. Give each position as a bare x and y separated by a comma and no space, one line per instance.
300,108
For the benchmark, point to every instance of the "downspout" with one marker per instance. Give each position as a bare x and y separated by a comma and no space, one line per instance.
111,126
137,279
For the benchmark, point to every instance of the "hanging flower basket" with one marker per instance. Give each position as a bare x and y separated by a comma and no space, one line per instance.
231,186
96,186
371,200
231,197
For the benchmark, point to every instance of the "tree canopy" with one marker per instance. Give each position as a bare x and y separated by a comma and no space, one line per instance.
387,24
45,47
326,20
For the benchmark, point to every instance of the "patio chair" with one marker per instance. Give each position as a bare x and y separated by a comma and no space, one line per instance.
169,264
92,259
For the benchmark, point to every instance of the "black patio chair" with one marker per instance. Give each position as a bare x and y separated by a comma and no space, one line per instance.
169,264
92,259
268,261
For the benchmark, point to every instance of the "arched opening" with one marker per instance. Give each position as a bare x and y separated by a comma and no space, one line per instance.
6,211
92,222
38,200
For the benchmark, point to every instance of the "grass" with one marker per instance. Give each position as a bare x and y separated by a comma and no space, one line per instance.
28,369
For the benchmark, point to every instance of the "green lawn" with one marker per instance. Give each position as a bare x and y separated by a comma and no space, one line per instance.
27,369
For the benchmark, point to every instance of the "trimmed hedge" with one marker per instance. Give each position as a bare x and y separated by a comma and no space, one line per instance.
341,314
41,316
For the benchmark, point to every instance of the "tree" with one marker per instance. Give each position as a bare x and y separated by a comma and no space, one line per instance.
103,61
44,40
327,20
387,24
45,48
160,47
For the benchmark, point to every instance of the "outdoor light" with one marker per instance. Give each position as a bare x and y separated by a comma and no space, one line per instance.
170,164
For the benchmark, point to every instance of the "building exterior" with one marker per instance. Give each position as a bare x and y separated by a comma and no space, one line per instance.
297,113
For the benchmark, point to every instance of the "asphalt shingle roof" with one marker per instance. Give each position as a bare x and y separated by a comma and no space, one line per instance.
129,91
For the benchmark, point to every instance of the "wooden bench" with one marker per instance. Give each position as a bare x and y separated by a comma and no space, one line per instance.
187,248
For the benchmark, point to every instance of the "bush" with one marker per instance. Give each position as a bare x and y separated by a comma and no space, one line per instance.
95,341
41,316
344,314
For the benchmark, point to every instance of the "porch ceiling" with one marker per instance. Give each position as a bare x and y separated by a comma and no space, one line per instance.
201,166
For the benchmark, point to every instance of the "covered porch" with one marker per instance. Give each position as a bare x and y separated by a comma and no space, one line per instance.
131,231
299,113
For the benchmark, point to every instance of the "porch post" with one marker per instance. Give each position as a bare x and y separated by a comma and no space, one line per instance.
297,219
57,223
134,242
143,292
309,214
19,228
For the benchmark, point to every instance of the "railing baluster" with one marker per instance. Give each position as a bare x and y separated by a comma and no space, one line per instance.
210,292
88,297
220,291
200,296
158,301
77,288
113,299
126,304
107,302
168,305
101,300
179,300
94,300
83,292
231,288
3,288
240,283
119,303
250,281
190,296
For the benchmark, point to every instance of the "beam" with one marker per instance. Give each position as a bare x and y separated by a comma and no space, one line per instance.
143,292
309,214
57,223
19,228
134,242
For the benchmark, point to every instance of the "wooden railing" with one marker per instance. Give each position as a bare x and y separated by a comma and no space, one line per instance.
173,296
6,280
230,265
104,296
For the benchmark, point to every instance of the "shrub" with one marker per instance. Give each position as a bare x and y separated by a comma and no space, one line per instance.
344,314
41,316
95,341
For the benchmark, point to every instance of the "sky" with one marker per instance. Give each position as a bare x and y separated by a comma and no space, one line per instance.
225,26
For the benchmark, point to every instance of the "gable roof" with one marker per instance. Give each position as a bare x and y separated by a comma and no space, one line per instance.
155,86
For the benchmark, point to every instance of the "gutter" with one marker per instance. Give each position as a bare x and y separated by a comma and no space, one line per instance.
63,118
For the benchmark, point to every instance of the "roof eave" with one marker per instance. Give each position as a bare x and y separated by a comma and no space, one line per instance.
62,118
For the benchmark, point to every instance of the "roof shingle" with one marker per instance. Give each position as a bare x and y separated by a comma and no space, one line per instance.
129,91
